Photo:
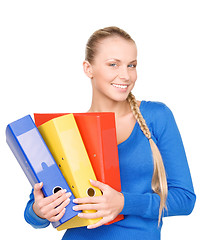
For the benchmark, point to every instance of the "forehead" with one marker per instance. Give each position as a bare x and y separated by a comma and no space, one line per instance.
116,47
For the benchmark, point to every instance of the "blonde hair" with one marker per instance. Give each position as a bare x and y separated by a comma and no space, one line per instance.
159,182
97,36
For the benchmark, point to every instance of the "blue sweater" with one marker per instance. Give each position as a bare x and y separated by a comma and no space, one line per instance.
141,207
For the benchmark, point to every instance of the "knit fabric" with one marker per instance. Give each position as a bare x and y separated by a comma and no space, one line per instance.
141,206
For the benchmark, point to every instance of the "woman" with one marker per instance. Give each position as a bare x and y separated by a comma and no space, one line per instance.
155,176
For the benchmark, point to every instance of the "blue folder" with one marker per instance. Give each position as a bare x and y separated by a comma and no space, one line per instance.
37,162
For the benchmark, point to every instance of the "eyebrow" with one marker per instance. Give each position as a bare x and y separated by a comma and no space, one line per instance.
115,59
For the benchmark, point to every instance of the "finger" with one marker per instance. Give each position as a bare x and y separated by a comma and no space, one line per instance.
85,200
38,186
37,191
99,223
60,200
57,217
99,185
54,197
54,212
86,207
89,215
51,210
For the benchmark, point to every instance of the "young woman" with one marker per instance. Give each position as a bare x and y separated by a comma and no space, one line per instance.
155,176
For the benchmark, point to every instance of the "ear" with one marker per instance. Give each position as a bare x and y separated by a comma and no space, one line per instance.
88,69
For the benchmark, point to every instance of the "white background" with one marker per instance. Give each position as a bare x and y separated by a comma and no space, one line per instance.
180,63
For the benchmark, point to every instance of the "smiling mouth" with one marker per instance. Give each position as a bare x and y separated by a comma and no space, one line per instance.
122,86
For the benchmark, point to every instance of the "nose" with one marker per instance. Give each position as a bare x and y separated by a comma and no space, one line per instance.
123,73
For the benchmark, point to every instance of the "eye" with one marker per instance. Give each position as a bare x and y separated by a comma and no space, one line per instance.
132,65
113,65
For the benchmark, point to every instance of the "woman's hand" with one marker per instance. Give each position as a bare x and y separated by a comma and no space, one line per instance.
107,206
51,208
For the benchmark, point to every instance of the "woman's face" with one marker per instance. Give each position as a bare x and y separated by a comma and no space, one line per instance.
113,71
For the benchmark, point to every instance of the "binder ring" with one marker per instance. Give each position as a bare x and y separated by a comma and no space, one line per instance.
57,189
90,192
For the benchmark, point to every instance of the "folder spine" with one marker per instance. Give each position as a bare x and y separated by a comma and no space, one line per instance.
98,131
20,155
62,136
36,161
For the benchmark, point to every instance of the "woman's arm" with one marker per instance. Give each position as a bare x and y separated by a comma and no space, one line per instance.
181,197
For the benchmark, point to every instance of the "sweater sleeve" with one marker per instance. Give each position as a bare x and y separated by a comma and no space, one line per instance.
181,197
31,217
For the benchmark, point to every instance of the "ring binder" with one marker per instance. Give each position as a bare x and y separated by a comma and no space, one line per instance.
98,132
63,139
37,162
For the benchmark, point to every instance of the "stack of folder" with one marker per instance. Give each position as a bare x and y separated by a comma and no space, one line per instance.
84,147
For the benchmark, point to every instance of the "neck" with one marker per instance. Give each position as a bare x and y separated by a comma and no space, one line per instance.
120,108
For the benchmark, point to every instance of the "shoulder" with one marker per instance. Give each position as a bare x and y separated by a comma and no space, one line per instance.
155,110
158,117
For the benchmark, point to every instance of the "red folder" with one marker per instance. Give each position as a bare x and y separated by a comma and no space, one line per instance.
98,133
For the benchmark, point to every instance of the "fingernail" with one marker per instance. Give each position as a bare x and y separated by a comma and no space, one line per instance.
75,208
64,190
75,200
68,194
79,214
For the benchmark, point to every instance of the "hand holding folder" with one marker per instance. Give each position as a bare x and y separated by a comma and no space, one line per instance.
108,206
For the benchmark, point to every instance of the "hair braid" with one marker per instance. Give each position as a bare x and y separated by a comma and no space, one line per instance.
159,182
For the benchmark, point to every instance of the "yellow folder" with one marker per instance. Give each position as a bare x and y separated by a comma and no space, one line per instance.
65,144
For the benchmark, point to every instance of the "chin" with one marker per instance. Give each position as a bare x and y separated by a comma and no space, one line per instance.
120,98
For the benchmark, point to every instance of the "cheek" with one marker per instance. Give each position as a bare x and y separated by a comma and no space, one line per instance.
105,75
134,76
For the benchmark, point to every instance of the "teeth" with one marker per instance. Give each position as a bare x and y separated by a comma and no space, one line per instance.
119,86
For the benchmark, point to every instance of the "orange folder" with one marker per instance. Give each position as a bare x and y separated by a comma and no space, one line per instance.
98,133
